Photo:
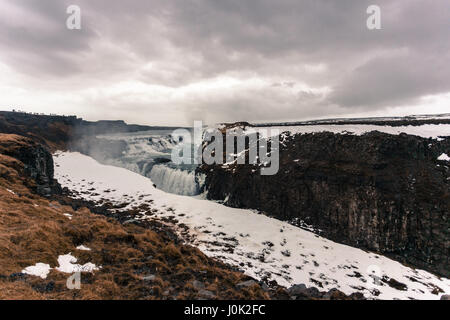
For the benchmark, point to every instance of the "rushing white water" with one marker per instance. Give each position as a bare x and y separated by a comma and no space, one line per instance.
142,144
149,154
173,180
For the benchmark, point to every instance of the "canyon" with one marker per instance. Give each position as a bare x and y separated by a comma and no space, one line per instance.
385,192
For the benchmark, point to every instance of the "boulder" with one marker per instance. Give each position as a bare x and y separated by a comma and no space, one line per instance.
246,284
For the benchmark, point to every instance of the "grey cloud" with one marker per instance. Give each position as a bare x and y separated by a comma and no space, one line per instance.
392,80
177,43
40,43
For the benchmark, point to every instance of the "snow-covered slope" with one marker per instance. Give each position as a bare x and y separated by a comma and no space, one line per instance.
434,131
263,247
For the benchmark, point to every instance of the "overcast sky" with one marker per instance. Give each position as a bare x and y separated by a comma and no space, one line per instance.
175,61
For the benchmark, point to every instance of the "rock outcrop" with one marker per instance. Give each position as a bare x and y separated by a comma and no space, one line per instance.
37,163
53,132
381,192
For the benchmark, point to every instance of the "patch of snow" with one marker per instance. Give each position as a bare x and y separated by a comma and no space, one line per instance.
38,270
10,191
67,264
83,248
262,247
444,157
69,216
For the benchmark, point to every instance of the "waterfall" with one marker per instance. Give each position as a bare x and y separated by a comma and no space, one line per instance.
174,180
148,153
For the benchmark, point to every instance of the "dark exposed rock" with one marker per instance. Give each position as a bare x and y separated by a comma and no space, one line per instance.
246,284
313,292
207,294
37,164
445,297
357,296
335,294
45,287
395,284
18,276
198,285
297,289
381,192
161,160
301,292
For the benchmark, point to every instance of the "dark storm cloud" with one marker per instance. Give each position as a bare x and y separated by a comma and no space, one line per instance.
321,48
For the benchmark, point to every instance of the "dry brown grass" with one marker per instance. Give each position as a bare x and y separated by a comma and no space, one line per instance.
34,229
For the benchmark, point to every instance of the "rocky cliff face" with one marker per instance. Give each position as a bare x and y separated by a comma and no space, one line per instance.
36,160
53,132
380,192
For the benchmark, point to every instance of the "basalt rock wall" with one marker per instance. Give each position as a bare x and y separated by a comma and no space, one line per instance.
381,192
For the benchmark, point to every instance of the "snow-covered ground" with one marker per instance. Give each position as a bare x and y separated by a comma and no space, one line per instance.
259,245
444,157
39,270
434,131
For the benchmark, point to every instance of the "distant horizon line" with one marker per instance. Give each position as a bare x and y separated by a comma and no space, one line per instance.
255,122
